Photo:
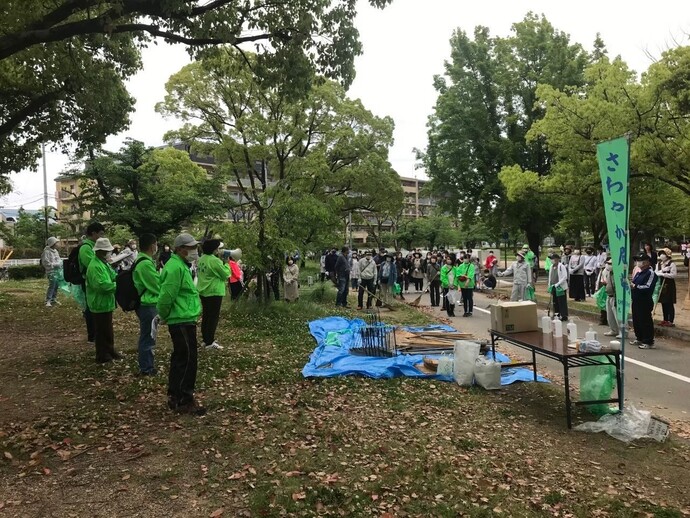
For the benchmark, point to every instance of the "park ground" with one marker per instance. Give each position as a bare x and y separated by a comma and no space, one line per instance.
78,439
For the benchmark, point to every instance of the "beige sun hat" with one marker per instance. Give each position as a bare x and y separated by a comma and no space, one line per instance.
103,243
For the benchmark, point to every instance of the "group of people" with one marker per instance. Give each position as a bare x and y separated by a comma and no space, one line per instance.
584,275
450,277
175,289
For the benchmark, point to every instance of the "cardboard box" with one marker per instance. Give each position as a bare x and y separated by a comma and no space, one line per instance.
514,317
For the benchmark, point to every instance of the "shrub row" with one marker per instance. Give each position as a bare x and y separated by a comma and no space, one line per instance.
31,271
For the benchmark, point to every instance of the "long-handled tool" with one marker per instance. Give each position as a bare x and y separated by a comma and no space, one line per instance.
385,304
663,281
416,301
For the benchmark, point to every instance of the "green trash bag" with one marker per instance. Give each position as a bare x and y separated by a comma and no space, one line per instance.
529,294
657,290
397,289
600,296
597,382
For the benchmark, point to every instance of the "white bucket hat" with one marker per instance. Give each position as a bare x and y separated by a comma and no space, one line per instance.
51,241
103,243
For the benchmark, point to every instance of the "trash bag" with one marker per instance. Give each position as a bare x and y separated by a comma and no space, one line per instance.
529,294
600,296
454,297
465,354
78,295
487,373
597,382
657,291
397,289
626,426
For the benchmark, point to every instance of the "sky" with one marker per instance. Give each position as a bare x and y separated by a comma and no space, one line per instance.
405,45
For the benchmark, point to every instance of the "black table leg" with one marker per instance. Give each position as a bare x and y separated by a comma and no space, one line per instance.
618,381
534,364
567,395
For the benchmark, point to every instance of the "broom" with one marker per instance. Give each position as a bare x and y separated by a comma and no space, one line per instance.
385,304
415,302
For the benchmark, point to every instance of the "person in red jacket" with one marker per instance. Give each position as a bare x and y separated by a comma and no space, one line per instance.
235,281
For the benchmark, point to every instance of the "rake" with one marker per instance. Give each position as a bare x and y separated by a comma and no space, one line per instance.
415,302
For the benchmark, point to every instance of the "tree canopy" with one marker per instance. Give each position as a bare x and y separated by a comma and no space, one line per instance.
63,63
148,190
296,166
485,107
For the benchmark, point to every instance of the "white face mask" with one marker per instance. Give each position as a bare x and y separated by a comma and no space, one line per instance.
193,255
663,257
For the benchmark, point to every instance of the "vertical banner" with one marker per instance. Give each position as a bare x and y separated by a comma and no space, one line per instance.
614,167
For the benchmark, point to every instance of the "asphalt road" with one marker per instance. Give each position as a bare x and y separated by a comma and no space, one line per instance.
655,379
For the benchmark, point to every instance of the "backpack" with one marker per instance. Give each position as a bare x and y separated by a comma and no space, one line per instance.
126,294
71,268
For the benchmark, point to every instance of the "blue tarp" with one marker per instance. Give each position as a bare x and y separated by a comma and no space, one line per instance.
335,335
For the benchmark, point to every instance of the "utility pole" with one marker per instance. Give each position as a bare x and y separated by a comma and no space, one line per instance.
45,189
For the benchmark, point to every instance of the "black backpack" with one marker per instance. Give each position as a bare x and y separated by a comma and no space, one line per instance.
71,268
126,294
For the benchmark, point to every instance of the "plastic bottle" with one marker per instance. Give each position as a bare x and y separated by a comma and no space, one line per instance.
545,324
557,328
591,334
572,331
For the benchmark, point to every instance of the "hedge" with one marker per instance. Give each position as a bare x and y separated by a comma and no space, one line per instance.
31,271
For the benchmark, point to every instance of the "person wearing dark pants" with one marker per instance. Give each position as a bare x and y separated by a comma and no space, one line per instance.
433,270
641,292
147,282
100,284
667,271
94,231
465,281
446,277
368,272
558,287
210,316
236,284
183,369
213,275
179,307
342,276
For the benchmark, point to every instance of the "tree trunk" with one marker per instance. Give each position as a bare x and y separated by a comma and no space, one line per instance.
262,288
533,240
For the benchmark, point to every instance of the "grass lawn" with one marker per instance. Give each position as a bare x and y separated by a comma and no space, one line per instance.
85,440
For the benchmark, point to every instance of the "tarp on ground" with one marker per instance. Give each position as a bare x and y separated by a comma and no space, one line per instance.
335,335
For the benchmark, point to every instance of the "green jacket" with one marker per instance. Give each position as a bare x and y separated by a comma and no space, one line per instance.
86,255
146,279
445,270
100,286
468,270
530,257
178,302
213,276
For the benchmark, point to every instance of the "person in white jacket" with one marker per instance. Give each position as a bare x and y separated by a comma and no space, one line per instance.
591,272
558,287
522,277
51,262
354,271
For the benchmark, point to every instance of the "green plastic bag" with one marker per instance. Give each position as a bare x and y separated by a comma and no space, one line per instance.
396,289
600,296
657,290
597,382
529,294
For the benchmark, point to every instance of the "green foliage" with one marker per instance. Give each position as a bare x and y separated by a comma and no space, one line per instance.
28,232
297,166
31,271
429,232
486,106
611,103
63,64
148,190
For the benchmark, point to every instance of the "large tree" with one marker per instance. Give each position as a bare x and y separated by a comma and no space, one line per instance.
63,63
148,190
485,107
299,165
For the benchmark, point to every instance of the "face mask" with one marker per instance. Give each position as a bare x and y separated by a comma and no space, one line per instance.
108,256
663,257
520,259
290,263
133,247
193,255
167,249
609,267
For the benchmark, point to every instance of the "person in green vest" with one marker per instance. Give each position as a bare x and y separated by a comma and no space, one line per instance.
465,281
531,259
100,299
94,231
179,307
148,284
446,277
213,277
